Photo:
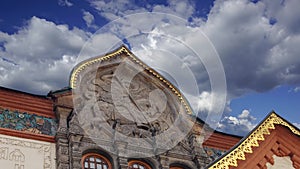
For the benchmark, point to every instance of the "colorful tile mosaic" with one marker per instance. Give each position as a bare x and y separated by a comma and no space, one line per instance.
213,153
23,121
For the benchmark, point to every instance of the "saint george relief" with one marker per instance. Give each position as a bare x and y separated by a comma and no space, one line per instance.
129,109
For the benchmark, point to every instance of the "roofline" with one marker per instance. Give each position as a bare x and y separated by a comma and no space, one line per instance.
198,119
22,92
272,124
243,139
124,50
291,124
59,91
228,134
81,65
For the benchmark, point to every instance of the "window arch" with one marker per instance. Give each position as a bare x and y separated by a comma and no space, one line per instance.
136,164
95,161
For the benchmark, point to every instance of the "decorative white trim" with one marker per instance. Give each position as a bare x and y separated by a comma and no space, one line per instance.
13,143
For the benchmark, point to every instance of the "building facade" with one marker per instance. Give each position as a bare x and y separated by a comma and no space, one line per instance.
117,113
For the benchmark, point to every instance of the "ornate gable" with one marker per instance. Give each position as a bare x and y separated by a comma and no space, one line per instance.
273,138
117,95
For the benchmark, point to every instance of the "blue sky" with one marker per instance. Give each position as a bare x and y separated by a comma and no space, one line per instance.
257,43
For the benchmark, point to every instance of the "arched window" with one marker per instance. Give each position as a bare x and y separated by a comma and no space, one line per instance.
135,164
95,161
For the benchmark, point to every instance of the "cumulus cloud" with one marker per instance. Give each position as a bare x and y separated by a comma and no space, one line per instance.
240,125
257,44
261,54
256,41
112,10
39,57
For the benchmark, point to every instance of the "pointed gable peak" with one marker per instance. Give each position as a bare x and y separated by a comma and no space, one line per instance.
124,53
254,139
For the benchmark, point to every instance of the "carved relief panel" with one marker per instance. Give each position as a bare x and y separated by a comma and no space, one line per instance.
18,153
129,109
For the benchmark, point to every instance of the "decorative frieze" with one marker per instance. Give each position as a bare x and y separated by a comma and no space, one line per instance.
23,121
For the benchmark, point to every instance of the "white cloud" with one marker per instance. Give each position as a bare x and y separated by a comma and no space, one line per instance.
89,19
65,3
35,41
260,56
183,9
240,125
257,43
43,54
257,55
257,47
246,114
112,10
205,101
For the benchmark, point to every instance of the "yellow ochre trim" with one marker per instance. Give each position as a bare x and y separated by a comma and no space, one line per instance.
123,49
82,66
252,141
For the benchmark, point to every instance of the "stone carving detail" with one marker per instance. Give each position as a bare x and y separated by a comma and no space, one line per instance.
19,166
4,153
23,121
64,150
183,150
18,156
137,101
121,102
74,125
